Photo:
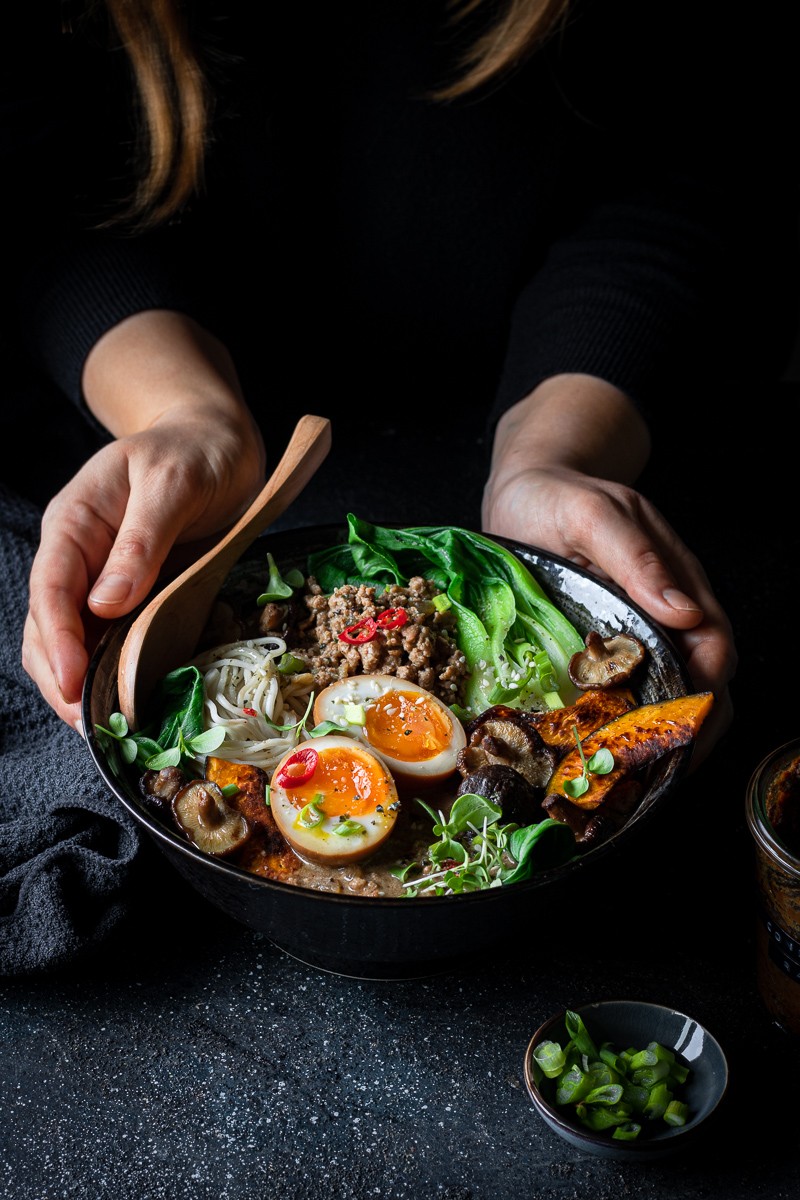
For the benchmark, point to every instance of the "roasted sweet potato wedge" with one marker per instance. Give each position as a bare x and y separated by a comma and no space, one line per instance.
636,738
266,852
593,708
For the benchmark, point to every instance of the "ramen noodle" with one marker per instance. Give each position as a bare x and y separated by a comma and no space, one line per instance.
248,697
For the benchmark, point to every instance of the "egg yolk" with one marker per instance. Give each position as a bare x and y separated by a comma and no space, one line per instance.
406,726
350,784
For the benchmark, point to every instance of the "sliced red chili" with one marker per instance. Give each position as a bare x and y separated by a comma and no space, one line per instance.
249,712
298,768
362,631
392,618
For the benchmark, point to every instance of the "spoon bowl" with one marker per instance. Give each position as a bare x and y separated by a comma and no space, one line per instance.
166,632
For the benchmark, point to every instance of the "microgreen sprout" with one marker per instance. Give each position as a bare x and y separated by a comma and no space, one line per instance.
298,727
118,732
293,726
475,850
601,763
279,587
187,749
151,755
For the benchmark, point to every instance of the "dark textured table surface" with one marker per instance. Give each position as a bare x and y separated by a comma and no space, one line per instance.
191,1058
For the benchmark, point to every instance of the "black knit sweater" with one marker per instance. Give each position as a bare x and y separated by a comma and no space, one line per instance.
618,206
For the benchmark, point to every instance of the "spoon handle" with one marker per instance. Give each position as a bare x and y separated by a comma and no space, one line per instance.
166,632
306,450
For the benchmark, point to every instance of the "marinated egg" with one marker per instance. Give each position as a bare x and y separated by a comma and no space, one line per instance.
333,800
416,735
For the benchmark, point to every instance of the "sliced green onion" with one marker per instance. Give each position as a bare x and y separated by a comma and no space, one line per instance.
678,1073
580,1034
441,602
230,789
349,828
310,815
602,1117
573,1085
612,1060
676,1113
657,1101
290,664
649,1076
652,1054
355,714
636,1096
608,1093
550,1057
627,1132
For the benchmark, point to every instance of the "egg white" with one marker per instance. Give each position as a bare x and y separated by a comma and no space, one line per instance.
361,691
321,843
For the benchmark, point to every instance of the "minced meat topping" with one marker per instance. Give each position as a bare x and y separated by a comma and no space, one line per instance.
423,650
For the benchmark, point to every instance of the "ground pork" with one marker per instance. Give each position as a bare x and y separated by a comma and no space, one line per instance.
424,650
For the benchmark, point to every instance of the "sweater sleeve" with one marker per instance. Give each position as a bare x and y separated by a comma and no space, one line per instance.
82,286
676,261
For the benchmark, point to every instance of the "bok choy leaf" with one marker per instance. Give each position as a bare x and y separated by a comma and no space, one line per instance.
516,642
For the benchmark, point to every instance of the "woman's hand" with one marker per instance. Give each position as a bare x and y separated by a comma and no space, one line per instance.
560,476
190,471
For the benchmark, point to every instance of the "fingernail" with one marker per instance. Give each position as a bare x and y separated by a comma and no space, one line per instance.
111,589
79,728
678,600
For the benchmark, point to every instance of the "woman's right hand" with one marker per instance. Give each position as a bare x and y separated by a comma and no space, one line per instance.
188,475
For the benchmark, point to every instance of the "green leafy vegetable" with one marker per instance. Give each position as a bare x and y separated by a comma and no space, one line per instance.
187,750
180,740
539,847
179,696
517,644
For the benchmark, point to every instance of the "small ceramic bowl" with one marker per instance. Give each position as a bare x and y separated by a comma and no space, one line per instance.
626,1023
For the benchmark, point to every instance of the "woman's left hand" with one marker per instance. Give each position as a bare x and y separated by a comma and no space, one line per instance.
541,492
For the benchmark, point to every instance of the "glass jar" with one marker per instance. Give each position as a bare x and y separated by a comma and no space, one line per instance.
777,878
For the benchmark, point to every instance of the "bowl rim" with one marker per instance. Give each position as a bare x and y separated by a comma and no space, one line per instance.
172,841
659,1138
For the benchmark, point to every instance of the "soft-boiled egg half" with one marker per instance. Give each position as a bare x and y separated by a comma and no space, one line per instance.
415,734
333,800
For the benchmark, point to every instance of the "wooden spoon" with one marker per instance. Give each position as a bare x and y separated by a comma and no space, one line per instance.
166,632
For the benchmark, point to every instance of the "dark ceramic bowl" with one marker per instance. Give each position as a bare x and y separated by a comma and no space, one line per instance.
400,938
626,1023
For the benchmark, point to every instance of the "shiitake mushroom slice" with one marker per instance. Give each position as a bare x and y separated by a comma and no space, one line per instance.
519,800
208,821
503,736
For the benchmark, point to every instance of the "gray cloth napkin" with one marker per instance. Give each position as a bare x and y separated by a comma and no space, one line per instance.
67,847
